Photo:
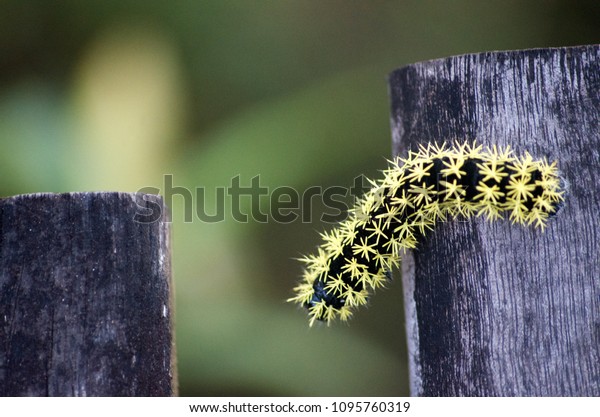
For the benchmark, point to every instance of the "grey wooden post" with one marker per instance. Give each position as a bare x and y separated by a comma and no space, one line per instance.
497,309
85,283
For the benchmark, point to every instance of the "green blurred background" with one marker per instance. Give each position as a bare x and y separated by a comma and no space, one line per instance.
114,95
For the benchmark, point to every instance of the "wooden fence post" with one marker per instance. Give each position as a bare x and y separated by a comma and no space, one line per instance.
495,309
85,296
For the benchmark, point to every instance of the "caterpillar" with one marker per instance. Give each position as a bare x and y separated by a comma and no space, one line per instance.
433,184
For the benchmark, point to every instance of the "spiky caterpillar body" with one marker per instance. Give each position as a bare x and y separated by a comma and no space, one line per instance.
428,186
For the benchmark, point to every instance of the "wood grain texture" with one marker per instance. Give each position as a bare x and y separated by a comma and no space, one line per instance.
495,309
85,283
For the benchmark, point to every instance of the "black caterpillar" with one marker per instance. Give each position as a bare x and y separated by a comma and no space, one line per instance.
428,186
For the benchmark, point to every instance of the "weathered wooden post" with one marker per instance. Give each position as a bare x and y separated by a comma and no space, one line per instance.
85,304
495,309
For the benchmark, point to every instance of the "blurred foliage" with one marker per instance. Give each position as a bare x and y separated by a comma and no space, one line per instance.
114,95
